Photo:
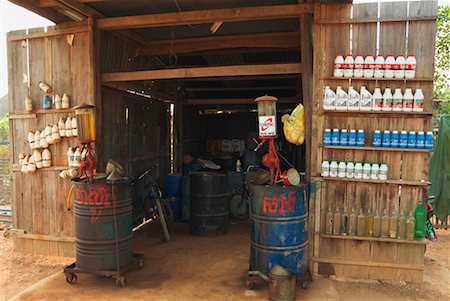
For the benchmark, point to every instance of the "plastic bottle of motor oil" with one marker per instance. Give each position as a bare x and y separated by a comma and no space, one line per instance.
377,100
358,170
358,71
387,100
369,65
429,139
353,99
408,100
341,99
360,138
327,137
389,66
325,168
412,139
379,66
374,170
349,64
335,137
342,169
420,140
350,170
366,171
386,140
333,169
376,141
397,100
329,99
395,138
365,103
400,63
410,67
383,172
338,66
352,138
418,101
343,138
403,141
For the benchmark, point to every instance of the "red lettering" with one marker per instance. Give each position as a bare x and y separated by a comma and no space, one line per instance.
280,204
97,198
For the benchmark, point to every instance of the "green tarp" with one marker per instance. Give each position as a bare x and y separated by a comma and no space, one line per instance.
440,171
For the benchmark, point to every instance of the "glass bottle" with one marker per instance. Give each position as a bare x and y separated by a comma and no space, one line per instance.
385,224
329,225
344,223
401,226
410,224
361,224
352,223
369,223
377,224
337,221
393,225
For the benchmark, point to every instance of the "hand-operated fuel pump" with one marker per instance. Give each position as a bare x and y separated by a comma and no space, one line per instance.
85,115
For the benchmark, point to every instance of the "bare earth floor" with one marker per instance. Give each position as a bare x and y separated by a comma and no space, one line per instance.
195,268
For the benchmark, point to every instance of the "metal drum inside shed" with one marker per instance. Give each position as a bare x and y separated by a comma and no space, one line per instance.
103,225
209,203
279,228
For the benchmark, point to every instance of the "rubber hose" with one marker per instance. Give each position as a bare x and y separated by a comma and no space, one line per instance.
69,196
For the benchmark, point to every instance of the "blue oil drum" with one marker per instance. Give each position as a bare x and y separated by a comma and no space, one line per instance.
279,228
172,191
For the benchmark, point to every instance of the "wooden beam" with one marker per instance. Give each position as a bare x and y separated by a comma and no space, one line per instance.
243,78
51,14
224,89
279,40
237,70
50,33
231,101
205,16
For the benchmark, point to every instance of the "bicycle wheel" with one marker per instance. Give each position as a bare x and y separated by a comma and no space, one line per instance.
238,206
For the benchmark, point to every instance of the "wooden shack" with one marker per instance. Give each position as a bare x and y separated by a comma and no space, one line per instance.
154,69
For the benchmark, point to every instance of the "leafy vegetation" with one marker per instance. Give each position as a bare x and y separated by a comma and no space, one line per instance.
4,128
442,57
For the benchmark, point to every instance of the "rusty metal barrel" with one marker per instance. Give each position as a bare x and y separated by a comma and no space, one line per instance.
209,203
279,228
103,225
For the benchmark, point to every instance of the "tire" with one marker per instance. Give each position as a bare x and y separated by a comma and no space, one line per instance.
238,206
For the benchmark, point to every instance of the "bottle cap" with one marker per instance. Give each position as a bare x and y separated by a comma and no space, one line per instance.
339,54
344,130
390,54
369,54
380,55
359,54
360,131
401,54
395,131
349,54
327,130
411,54
386,131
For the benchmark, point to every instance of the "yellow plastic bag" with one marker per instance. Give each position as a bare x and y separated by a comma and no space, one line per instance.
294,125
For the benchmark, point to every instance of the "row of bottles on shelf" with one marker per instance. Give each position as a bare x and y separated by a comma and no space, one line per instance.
364,100
421,140
380,67
397,226
37,160
53,134
358,170
74,157
47,100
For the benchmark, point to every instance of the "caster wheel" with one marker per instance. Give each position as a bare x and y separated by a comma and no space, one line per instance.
249,284
141,263
305,284
7,233
71,278
121,281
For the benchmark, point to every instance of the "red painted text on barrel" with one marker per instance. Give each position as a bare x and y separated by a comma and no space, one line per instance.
279,203
97,198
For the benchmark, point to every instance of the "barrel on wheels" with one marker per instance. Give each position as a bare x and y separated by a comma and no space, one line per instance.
103,225
209,204
279,228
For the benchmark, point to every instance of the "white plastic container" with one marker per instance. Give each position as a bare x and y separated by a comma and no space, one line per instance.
382,173
349,64
329,99
325,168
408,100
37,139
365,104
68,127
55,134
70,157
387,100
48,134
31,164
397,100
358,70
358,170
400,63
77,158
24,167
377,97
374,169
341,99
369,65
37,158
353,99
366,171
389,66
410,66
62,127
46,158
338,66
418,101
43,140
378,71
350,170
342,169
333,169
74,127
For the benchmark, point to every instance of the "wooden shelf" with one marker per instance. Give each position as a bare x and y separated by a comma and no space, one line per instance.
378,79
388,182
16,167
371,148
378,239
375,114
33,114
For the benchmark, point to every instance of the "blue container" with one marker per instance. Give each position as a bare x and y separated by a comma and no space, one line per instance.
376,142
420,140
46,102
412,138
172,191
327,137
279,228
335,137
386,140
188,168
395,139
360,138
429,140
403,141
185,198
344,138
352,138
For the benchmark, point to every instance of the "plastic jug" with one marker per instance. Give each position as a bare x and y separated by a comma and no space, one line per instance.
327,137
369,65
338,66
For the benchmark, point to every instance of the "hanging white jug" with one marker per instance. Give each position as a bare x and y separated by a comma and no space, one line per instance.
68,127
74,127
58,102
62,127
24,167
37,139
43,140
65,101
70,156
77,160
46,158
31,165
55,134
31,140
48,134
37,158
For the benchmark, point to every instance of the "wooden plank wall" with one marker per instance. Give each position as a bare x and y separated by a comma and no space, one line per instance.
41,222
343,257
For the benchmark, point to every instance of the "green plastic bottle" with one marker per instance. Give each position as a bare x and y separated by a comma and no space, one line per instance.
421,217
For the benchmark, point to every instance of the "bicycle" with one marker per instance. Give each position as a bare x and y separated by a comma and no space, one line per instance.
239,205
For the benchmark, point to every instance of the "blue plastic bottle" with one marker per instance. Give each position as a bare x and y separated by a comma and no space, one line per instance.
335,137
376,142
386,141
352,138
344,138
360,138
403,142
420,140
429,140
412,138
327,137
395,139
46,102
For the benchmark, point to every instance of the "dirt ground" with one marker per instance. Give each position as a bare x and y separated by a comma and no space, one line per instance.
184,276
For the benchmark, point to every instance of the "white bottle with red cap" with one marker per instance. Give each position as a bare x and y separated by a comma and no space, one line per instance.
369,65
338,66
349,63
358,71
377,99
389,65
418,101
410,66
378,71
408,100
387,100
397,100
400,66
